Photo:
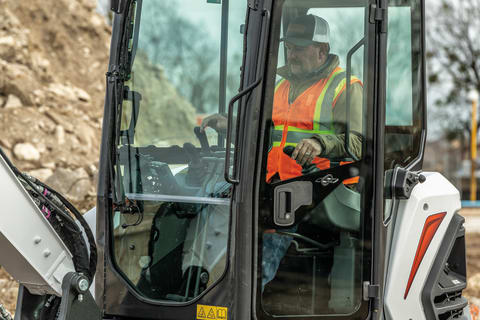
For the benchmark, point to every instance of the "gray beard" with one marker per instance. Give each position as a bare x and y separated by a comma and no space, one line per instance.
310,74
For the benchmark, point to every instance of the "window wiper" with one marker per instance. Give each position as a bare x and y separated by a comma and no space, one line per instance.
117,77
134,31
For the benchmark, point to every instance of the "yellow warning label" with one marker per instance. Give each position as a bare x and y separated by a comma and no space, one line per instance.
211,312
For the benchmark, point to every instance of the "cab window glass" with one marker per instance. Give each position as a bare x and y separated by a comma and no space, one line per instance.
311,234
171,220
404,103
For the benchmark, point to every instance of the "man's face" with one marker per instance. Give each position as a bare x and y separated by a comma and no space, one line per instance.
303,60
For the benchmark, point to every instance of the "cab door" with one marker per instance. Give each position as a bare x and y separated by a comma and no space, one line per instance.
165,210
313,237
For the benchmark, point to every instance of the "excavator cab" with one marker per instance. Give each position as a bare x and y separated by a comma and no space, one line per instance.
189,223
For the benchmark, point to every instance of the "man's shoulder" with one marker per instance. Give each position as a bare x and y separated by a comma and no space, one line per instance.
283,73
340,75
282,76
280,81
339,72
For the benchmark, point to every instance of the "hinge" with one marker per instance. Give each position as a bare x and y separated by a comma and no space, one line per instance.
116,74
253,4
370,291
378,15
118,6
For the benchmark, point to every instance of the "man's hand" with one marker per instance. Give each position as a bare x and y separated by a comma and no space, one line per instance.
215,121
306,151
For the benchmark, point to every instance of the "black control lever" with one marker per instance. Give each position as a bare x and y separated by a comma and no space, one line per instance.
196,169
306,168
288,150
202,137
192,152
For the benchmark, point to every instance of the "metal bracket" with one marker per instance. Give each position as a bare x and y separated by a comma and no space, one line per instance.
77,301
116,74
118,6
253,4
405,181
370,291
377,14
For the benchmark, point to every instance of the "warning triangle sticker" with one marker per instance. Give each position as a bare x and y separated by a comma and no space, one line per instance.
211,314
201,313
221,313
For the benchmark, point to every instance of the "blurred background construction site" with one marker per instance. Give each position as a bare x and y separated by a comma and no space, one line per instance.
53,59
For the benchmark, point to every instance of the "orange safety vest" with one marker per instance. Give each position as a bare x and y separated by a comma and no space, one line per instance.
311,113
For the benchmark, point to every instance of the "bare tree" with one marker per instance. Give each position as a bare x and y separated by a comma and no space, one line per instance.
454,65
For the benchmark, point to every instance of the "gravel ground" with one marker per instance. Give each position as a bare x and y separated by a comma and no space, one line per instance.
473,266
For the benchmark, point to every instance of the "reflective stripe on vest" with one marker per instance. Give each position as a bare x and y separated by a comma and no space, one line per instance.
322,120
294,135
323,109
341,87
278,84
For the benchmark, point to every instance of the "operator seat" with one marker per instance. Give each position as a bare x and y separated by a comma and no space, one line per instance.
339,210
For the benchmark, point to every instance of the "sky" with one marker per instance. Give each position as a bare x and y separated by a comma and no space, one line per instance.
103,6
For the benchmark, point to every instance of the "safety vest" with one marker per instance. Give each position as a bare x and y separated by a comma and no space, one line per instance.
310,114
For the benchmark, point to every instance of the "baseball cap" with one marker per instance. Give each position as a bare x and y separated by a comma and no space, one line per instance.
306,30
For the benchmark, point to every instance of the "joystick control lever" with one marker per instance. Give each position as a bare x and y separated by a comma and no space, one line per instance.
306,168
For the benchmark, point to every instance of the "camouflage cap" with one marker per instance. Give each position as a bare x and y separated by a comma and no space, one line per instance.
306,30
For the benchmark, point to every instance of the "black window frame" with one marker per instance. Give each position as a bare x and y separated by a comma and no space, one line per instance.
124,53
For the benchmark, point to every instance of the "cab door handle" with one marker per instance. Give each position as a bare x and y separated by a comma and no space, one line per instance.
288,198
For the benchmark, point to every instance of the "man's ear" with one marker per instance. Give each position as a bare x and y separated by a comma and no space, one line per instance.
321,53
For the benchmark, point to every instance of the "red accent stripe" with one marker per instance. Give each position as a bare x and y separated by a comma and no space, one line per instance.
429,229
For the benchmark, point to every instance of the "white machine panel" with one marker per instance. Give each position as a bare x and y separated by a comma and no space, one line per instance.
30,250
429,199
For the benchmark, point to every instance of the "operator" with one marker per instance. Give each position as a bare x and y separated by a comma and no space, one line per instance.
309,108
309,113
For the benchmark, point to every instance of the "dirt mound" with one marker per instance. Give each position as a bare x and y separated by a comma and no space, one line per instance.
53,59
159,97
8,290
